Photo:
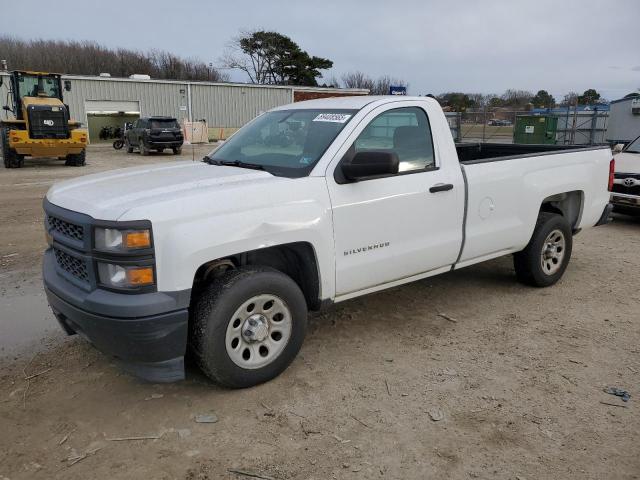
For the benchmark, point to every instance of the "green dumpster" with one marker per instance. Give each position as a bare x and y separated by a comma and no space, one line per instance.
535,129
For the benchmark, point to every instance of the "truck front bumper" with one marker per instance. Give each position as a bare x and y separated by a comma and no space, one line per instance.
625,200
20,142
146,333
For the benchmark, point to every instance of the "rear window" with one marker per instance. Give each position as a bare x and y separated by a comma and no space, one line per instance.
164,123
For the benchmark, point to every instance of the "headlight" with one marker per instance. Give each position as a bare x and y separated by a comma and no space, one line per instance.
122,276
116,240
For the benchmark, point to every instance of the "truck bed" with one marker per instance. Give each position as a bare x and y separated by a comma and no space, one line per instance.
469,153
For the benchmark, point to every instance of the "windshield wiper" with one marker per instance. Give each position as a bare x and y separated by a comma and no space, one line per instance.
240,164
232,163
210,161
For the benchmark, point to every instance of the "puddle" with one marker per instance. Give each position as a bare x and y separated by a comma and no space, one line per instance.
24,321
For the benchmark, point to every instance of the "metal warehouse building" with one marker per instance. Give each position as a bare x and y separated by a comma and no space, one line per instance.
624,122
108,101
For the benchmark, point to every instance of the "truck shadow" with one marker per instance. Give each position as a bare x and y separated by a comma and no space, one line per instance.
626,219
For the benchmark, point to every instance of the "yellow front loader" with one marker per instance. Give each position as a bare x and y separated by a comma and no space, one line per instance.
37,122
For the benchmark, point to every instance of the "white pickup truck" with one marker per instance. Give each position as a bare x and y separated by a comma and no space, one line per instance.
307,205
625,196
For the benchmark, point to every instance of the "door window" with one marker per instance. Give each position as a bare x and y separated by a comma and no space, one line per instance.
406,132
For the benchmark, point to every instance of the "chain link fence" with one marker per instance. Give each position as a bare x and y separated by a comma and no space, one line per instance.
587,127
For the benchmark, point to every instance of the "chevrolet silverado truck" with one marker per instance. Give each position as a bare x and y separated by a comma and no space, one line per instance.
307,205
626,184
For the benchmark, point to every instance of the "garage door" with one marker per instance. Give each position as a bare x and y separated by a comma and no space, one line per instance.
98,107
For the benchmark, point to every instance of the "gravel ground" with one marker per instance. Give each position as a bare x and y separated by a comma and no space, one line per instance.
465,375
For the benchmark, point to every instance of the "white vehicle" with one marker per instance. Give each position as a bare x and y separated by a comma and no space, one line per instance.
309,204
626,185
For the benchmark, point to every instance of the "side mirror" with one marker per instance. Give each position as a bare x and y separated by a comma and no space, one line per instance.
371,164
67,85
618,148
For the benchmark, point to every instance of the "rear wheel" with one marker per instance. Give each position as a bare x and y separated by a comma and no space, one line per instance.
76,160
545,258
11,158
248,326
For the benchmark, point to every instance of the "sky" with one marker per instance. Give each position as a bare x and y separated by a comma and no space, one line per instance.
484,46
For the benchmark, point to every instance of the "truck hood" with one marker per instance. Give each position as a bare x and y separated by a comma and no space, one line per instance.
109,195
627,162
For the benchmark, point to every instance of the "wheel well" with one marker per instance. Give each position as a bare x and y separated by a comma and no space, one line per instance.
297,260
567,204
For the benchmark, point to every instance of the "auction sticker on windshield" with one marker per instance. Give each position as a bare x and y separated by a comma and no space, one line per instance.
332,117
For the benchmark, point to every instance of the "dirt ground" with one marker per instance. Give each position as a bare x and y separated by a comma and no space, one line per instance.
465,375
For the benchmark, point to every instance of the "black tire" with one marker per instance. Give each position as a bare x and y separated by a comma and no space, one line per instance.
11,158
118,144
177,150
144,151
530,267
215,309
76,160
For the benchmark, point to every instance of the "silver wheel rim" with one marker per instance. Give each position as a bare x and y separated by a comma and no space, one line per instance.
552,254
258,331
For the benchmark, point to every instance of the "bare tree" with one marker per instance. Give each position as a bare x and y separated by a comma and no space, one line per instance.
383,84
517,98
479,100
357,80
332,81
378,86
91,58
570,99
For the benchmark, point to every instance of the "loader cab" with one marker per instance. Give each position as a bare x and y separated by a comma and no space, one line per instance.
34,85
38,106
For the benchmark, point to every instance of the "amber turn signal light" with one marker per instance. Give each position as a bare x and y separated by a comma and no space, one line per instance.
138,239
140,276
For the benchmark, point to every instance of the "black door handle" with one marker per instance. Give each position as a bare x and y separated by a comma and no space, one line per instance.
441,187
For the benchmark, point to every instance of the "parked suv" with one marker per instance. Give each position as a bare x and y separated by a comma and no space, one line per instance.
154,133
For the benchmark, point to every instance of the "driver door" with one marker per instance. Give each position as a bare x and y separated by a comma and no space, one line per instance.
392,228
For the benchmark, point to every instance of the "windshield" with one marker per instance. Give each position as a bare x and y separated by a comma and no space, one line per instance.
633,147
38,85
169,123
284,142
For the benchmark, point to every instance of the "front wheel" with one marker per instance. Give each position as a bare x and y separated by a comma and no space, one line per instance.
545,258
11,158
118,144
248,326
76,160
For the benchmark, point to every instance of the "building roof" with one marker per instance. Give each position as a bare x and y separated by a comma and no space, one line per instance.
601,107
627,98
355,91
349,103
